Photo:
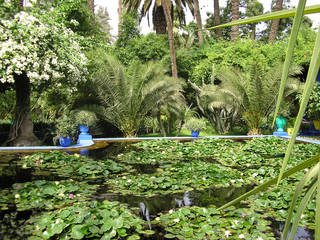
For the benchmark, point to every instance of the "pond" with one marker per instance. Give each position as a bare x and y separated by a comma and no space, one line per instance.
151,190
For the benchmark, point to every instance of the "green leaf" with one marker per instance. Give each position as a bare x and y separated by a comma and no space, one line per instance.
94,229
118,223
169,235
107,225
76,232
133,237
269,16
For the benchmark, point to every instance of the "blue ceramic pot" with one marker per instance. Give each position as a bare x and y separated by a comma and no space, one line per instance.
83,129
281,123
65,141
195,134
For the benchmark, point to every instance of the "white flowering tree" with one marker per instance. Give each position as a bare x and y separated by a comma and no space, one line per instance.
36,50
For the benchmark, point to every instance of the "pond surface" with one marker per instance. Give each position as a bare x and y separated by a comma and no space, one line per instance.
148,204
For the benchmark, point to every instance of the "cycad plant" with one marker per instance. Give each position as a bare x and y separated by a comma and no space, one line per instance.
127,95
311,180
252,92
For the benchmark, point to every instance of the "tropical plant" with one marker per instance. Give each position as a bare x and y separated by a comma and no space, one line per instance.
66,126
251,93
313,110
158,15
275,22
311,180
83,117
127,95
195,124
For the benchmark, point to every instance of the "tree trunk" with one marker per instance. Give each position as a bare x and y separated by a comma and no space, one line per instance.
171,39
198,19
159,20
161,127
21,132
91,6
275,23
253,31
235,16
217,20
120,8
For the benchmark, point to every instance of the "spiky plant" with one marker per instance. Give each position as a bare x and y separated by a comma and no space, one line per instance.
127,95
252,92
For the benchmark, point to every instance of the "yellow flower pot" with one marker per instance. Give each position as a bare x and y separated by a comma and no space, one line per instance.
316,124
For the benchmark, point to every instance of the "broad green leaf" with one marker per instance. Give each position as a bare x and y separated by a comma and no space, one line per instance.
134,237
269,16
76,232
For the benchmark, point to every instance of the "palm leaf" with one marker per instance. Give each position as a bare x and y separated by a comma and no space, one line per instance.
269,16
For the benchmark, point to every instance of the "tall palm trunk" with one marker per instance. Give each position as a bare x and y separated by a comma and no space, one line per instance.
198,19
120,8
235,17
171,39
91,5
217,20
275,22
159,20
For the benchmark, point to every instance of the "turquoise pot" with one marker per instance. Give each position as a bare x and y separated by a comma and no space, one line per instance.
281,123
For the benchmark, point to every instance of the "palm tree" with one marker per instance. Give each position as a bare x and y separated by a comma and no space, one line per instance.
275,22
252,93
158,15
171,39
217,19
198,20
120,8
127,95
235,17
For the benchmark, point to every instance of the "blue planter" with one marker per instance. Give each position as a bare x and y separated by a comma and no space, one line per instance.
83,129
195,134
65,141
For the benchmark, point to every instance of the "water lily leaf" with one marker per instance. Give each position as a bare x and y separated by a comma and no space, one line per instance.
133,237
76,232
169,235
94,229
58,228
118,223
107,225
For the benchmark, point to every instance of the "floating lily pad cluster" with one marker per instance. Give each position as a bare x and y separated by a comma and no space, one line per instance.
49,195
88,220
74,166
65,209
209,223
